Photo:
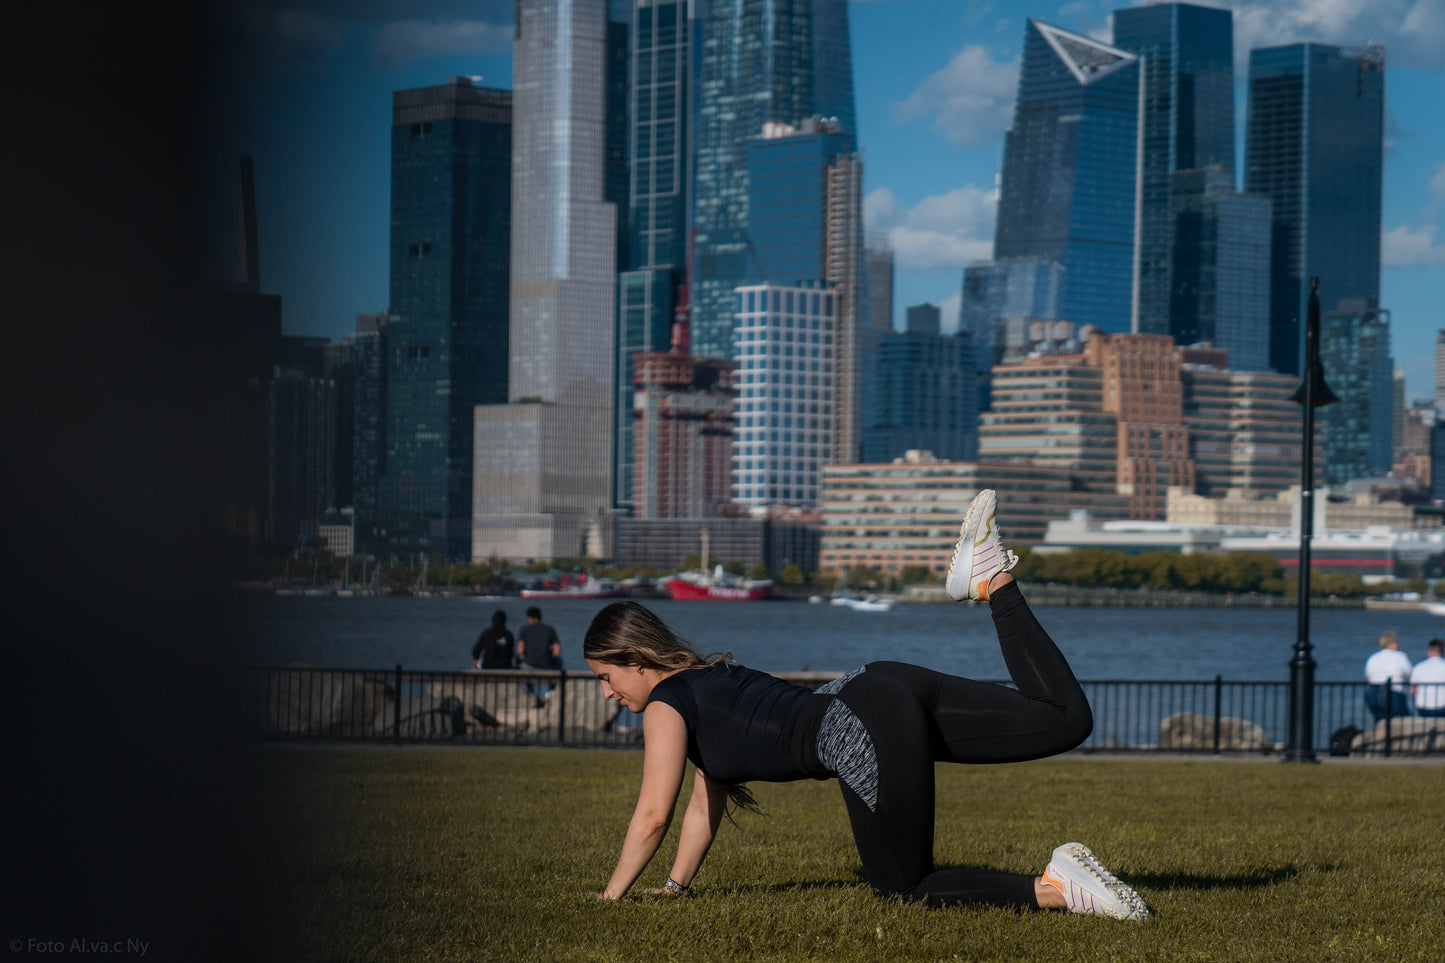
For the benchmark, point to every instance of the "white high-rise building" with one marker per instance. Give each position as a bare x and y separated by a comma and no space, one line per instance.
543,462
786,344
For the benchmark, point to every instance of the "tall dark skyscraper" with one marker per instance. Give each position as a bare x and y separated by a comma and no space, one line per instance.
447,333
647,293
1068,189
757,61
658,124
1355,352
1314,142
920,392
878,269
366,347
1187,122
1220,267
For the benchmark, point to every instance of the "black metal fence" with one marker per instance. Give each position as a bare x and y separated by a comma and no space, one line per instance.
527,707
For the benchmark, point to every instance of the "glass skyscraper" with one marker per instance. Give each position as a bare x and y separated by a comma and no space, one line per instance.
805,223
1068,189
658,99
1314,144
788,199
543,478
367,345
878,270
920,392
1220,270
1020,287
447,334
1187,122
661,86
1355,353
757,61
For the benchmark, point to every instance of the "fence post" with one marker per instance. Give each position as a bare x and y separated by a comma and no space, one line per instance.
396,709
1218,708
1389,691
561,707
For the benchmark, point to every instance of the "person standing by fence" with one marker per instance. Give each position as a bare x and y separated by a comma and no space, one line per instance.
1387,672
1427,681
538,647
493,649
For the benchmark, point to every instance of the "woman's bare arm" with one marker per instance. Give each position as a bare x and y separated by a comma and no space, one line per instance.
663,762
699,827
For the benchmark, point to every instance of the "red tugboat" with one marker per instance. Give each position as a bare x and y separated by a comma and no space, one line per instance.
700,585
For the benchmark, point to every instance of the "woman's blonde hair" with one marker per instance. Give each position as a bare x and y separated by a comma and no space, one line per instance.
626,633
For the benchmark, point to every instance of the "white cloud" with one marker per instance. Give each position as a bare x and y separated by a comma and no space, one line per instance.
971,99
404,40
945,230
1404,245
948,310
1413,31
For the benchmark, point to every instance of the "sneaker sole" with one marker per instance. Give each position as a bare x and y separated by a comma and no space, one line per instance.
964,545
1078,863
958,550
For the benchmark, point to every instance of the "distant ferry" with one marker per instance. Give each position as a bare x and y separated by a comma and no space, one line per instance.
586,587
717,586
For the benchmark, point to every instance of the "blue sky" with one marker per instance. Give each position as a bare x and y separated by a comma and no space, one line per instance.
309,88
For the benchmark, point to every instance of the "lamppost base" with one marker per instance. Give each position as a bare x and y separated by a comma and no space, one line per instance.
1300,747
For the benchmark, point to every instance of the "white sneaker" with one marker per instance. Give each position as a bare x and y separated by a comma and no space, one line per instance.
1090,888
978,556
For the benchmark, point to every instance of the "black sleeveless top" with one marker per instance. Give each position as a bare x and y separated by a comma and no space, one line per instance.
743,724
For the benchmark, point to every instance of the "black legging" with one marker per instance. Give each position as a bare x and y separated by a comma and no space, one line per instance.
917,716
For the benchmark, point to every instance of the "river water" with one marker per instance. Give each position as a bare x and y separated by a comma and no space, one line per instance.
1188,644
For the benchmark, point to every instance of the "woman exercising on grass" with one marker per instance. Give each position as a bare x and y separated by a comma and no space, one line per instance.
879,729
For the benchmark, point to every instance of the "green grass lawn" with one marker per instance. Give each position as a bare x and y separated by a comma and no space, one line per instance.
485,854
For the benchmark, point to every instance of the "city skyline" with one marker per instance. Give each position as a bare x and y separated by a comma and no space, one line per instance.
935,88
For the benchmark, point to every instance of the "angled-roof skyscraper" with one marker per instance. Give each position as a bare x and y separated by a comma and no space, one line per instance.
1068,190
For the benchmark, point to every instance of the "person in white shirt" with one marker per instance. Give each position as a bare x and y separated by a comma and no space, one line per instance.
1427,681
1387,672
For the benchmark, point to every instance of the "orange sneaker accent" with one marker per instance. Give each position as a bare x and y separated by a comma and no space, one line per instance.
983,590
1053,880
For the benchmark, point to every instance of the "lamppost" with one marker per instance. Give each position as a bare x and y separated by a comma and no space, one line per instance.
1312,393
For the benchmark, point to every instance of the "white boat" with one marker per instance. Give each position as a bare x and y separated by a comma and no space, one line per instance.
1434,608
872,603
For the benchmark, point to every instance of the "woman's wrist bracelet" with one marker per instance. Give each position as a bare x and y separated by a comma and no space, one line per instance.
672,886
